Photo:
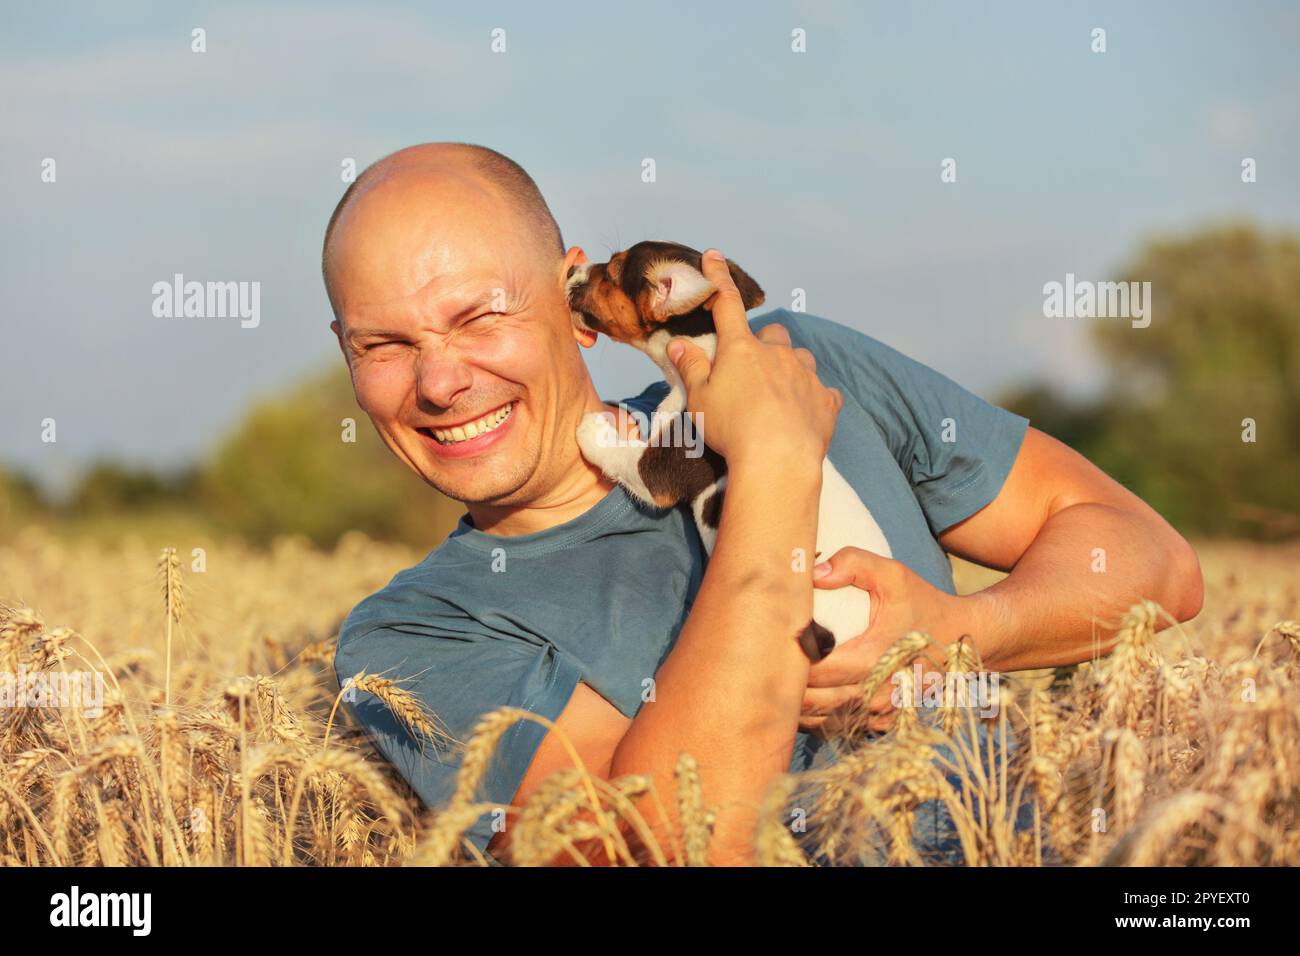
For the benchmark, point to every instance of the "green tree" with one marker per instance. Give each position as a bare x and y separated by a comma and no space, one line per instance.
1222,351
287,469
110,487
20,501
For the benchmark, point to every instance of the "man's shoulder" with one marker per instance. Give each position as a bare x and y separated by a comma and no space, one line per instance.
846,355
872,372
415,585
819,334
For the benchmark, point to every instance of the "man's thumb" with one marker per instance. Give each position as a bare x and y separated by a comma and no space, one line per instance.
690,361
847,566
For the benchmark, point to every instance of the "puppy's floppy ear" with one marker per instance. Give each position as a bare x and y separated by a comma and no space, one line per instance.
750,293
676,287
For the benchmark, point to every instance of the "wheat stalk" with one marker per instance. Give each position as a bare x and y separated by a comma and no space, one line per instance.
169,574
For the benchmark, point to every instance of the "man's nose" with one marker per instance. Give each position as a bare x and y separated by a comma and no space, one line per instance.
441,377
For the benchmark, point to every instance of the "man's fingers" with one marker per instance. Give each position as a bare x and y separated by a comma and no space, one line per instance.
840,570
852,671
849,566
728,307
775,334
853,717
844,665
820,701
882,723
691,363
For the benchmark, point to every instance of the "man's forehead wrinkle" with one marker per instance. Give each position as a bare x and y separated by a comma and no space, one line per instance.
433,229
427,264
442,297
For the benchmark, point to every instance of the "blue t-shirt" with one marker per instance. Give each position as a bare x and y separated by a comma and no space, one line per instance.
486,620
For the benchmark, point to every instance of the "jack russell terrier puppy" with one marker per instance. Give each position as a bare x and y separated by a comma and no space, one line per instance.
645,296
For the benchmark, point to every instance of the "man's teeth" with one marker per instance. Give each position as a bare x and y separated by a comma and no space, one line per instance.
480,426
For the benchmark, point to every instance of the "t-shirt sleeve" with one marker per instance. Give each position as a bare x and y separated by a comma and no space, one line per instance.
459,675
955,448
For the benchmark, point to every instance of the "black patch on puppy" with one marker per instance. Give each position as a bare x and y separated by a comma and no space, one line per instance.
698,321
816,641
711,512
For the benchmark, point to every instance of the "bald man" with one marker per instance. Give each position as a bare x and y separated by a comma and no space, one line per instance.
558,593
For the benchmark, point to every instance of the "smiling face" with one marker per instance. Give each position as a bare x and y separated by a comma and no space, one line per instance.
457,334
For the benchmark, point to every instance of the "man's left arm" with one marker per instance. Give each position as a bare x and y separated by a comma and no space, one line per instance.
1080,548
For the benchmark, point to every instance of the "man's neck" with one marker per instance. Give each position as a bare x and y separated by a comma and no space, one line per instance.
580,488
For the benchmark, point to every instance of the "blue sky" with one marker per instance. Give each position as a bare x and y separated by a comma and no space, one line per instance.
817,170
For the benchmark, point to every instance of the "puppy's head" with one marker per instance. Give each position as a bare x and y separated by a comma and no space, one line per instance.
648,287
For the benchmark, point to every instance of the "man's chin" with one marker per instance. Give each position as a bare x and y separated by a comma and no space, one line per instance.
494,488
505,498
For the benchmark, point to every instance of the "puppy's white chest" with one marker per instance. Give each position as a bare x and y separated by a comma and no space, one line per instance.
844,521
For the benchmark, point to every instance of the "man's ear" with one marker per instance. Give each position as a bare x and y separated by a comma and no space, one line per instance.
576,257
337,329
750,293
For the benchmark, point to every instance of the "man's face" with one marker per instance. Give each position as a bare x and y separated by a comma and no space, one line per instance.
458,337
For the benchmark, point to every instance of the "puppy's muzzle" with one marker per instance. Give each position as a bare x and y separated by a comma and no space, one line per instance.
575,287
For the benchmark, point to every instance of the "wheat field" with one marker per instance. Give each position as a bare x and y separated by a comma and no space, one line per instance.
219,739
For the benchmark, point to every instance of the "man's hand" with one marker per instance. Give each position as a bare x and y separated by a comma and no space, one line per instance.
901,601
759,399
1055,513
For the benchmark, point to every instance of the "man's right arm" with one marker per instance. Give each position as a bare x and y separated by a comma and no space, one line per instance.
730,691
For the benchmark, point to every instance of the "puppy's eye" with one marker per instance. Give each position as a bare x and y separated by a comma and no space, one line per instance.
614,269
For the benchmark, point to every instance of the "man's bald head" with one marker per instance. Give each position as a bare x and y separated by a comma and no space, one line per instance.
450,164
446,274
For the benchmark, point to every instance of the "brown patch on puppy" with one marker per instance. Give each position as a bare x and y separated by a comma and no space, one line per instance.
672,478
604,307
645,288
